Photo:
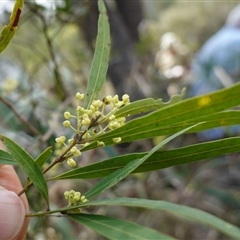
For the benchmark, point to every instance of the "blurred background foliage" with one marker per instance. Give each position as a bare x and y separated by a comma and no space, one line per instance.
49,60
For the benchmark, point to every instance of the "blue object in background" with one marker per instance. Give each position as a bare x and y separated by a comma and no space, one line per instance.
221,51
217,65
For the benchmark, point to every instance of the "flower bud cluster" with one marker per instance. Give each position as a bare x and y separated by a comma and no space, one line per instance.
74,198
97,119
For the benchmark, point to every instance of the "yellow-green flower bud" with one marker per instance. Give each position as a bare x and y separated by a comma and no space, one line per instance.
109,99
60,139
72,192
67,115
126,99
77,153
115,99
119,104
96,114
80,110
97,103
92,108
85,116
112,117
105,101
66,123
66,194
86,135
117,140
73,149
100,144
83,198
77,196
70,141
121,120
88,112
86,144
114,125
79,96
71,162
86,121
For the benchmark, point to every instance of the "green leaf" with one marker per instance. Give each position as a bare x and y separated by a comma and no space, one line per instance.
120,174
100,59
10,29
175,209
6,158
44,156
28,165
147,104
157,160
178,116
228,118
113,228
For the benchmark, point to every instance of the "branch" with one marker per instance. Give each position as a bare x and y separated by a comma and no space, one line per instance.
20,118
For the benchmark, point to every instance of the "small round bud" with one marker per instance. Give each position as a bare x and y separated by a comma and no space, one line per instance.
119,104
88,112
92,108
60,139
77,196
126,99
67,115
86,135
97,103
114,124
100,144
80,110
71,162
83,198
66,194
85,201
86,121
117,140
72,192
73,149
70,141
85,116
112,117
109,99
86,144
115,99
105,101
121,121
96,114
79,96
66,123
77,153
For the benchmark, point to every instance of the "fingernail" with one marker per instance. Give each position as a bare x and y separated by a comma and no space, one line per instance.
12,214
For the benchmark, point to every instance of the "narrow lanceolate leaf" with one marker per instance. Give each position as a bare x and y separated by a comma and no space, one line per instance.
10,29
146,105
120,174
178,116
157,160
100,59
43,157
113,228
6,158
28,165
175,209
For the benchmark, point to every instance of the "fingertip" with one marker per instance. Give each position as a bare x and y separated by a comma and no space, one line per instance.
12,214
